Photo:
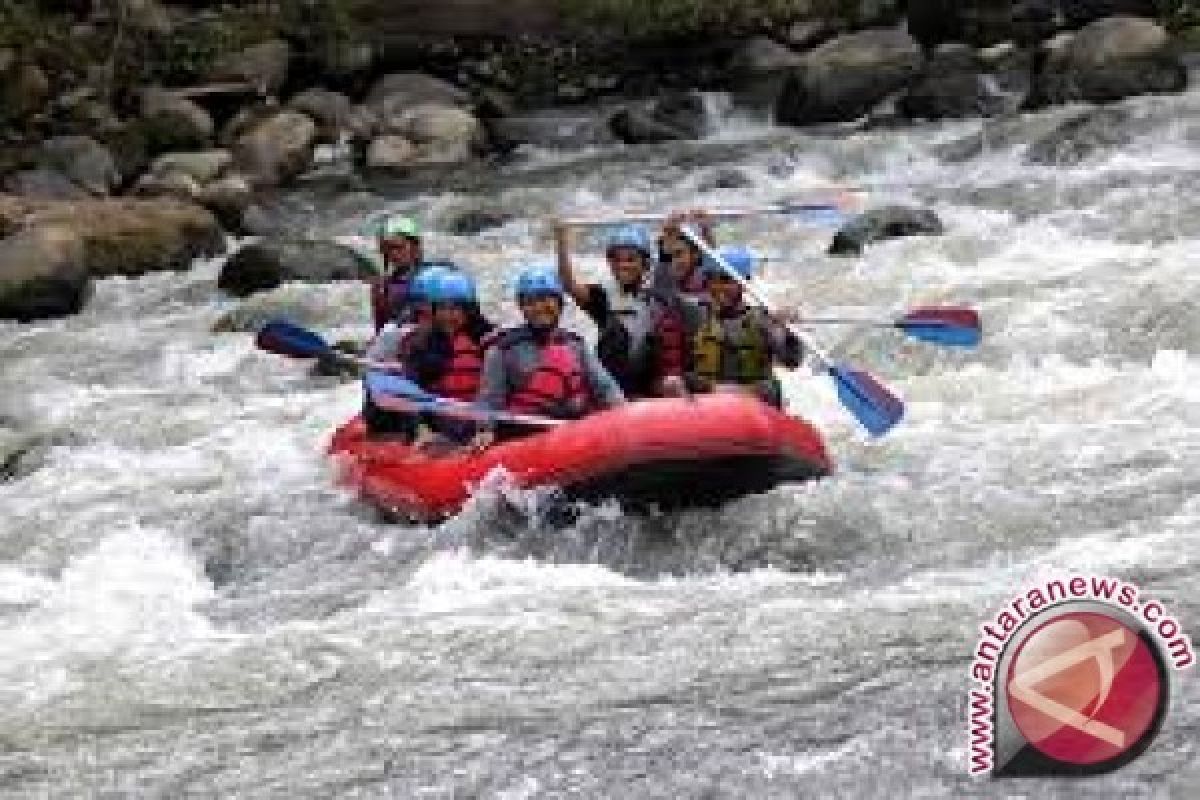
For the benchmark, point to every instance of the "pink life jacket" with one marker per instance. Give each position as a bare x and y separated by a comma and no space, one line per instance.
557,386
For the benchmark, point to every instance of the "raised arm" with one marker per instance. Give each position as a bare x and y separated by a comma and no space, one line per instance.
566,272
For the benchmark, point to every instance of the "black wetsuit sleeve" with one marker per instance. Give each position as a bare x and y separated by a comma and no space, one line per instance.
596,306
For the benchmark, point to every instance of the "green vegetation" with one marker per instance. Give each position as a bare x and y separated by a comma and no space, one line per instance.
1180,14
670,18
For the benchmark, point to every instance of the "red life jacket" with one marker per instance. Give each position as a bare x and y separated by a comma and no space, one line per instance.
673,340
557,386
461,378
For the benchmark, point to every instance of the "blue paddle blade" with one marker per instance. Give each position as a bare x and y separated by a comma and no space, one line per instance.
867,399
396,386
285,339
953,327
939,333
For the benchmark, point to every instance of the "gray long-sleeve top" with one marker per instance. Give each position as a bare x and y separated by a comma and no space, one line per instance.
505,372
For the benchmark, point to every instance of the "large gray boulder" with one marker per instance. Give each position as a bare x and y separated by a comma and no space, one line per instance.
1107,60
269,263
42,274
440,134
277,149
396,93
846,77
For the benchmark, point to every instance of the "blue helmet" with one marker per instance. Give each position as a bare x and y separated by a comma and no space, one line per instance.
742,259
453,286
634,237
534,280
425,283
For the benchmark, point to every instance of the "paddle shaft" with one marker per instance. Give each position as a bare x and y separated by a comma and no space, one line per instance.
617,217
435,404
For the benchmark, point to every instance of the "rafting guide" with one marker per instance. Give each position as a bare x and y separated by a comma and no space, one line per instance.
1072,677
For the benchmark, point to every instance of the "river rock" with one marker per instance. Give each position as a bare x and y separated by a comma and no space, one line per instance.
846,77
277,149
758,68
954,84
441,134
228,197
42,274
330,110
1081,137
394,94
806,34
390,151
264,66
195,123
362,124
886,222
471,221
124,236
1109,59
203,166
43,183
84,160
179,185
673,116
269,263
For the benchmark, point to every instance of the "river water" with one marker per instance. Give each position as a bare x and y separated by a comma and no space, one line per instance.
188,607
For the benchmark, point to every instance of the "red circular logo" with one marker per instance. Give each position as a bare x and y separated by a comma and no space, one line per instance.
1085,688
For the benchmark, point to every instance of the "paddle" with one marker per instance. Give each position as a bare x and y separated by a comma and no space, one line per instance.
389,392
951,327
862,395
831,212
394,393
283,338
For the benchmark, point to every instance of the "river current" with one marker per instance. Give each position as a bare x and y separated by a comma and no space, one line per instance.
189,607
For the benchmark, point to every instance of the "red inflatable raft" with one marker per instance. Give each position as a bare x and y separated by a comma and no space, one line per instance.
671,453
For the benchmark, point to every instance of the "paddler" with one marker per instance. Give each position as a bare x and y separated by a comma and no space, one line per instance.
681,262
540,368
736,345
393,346
446,357
642,333
399,241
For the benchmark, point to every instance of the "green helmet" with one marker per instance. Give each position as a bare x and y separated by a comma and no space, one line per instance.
395,226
